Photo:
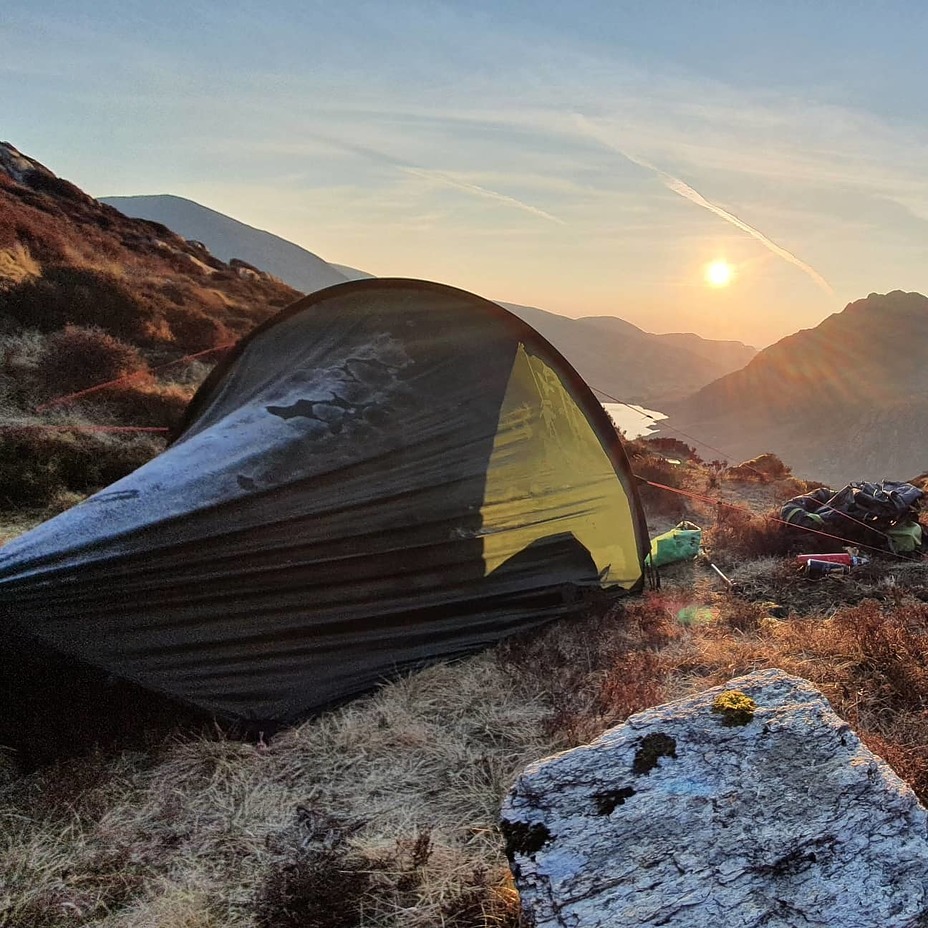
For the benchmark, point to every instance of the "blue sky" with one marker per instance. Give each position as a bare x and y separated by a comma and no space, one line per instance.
587,158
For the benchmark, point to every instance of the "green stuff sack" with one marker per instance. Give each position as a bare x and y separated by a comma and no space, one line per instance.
681,543
904,538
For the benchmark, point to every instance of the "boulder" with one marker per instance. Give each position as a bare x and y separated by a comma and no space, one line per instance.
751,804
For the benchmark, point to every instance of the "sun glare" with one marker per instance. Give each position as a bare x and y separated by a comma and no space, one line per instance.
719,274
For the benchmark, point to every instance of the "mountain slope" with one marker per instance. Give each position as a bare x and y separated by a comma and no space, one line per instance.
228,238
845,400
614,356
89,296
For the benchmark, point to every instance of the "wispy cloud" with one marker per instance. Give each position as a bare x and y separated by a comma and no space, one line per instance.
684,190
448,181
439,177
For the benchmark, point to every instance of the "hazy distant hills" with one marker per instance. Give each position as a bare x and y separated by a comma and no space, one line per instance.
846,400
609,353
635,366
228,238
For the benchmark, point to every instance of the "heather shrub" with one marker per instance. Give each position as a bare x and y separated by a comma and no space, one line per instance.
313,889
650,620
904,749
29,473
29,228
674,447
78,296
893,649
741,534
36,465
742,615
789,487
194,331
143,404
20,354
56,186
76,358
634,682
651,467
193,373
764,469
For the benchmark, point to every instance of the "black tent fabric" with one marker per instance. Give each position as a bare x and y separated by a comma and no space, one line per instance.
387,472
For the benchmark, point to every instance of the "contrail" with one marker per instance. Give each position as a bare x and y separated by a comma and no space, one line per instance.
481,191
415,171
694,196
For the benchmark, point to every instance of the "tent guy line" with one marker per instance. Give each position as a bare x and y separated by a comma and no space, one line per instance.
127,378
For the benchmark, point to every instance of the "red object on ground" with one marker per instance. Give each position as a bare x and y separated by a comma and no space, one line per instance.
842,558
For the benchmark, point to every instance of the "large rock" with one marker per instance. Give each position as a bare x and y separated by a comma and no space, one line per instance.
708,812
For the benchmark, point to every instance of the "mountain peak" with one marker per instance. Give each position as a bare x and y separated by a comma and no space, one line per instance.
17,166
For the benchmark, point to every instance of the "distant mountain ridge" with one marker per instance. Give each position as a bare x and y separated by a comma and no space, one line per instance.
227,238
634,366
845,400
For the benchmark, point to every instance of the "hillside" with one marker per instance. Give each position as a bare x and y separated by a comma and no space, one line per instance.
614,356
228,238
88,295
846,400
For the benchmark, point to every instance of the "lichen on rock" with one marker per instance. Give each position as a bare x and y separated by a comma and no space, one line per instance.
653,747
735,708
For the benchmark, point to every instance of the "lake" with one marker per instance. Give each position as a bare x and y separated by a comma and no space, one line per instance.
634,421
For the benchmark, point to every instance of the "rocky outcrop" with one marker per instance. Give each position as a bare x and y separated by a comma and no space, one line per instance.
749,805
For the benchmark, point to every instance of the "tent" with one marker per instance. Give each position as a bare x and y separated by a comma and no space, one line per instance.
385,473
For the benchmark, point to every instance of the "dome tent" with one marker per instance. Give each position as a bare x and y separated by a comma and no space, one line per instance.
387,472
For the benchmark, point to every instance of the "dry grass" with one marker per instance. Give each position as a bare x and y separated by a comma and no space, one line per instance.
383,813
215,829
17,264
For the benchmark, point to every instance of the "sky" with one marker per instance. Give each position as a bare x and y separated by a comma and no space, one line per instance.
589,158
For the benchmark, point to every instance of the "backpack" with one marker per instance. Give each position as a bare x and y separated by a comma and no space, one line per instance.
862,512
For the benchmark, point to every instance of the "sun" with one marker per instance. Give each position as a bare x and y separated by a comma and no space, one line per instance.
719,274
